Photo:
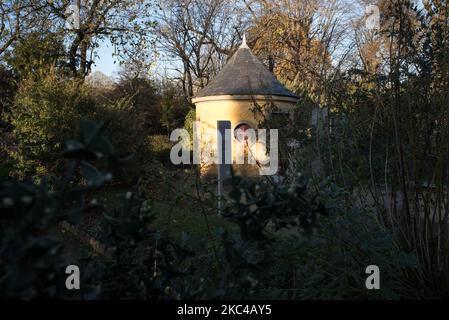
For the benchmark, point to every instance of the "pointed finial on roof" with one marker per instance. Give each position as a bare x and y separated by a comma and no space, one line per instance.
244,45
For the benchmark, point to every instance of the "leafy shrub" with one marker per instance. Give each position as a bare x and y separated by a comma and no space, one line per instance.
125,126
144,97
46,111
7,91
144,263
6,143
160,147
288,248
173,106
32,264
188,125
283,246
246,258
331,263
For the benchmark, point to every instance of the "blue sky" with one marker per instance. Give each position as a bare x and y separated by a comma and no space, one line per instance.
105,62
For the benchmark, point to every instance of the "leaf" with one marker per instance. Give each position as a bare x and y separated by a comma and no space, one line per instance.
73,145
89,130
102,147
94,177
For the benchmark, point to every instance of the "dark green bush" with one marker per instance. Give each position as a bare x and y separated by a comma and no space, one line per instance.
33,254
160,147
332,263
188,124
284,245
46,111
32,264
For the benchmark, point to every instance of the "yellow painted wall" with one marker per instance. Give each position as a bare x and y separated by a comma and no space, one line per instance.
211,109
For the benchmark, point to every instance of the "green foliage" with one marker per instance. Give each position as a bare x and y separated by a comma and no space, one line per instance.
145,98
31,263
259,211
254,206
188,125
126,125
30,249
332,263
7,90
6,142
143,263
173,107
278,241
46,111
36,51
385,141
388,135
288,247
160,147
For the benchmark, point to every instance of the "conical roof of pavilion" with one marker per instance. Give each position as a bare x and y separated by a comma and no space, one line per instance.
244,74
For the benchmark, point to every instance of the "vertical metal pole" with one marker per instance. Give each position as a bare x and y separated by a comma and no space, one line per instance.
224,157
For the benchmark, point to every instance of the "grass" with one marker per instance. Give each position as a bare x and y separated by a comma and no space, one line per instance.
172,216
176,220
176,212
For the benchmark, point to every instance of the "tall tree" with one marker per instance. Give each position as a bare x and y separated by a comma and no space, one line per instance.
298,39
197,36
125,23
16,16
35,51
